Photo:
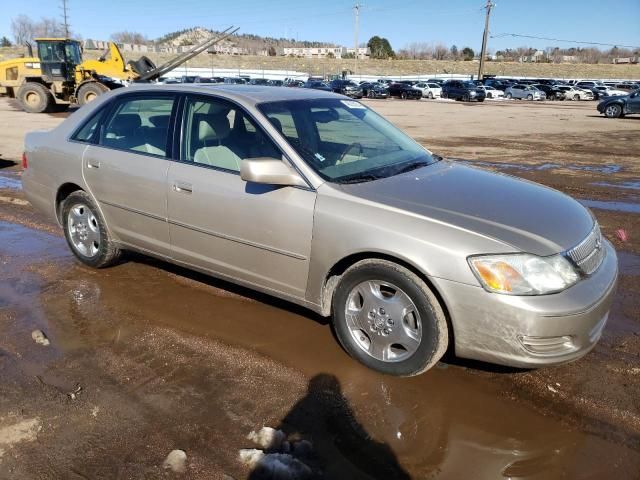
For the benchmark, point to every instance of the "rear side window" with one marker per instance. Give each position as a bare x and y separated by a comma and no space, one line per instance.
87,132
140,125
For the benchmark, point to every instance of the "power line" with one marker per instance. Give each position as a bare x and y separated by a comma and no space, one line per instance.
502,35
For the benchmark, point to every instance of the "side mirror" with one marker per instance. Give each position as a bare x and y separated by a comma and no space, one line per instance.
270,171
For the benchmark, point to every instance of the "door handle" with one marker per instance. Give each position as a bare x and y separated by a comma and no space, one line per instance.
93,164
182,187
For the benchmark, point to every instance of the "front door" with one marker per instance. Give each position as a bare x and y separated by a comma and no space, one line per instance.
633,105
126,171
259,234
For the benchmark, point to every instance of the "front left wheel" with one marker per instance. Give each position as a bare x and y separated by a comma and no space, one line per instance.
613,111
86,232
386,317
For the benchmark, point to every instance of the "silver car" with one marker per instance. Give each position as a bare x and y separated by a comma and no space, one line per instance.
316,199
524,92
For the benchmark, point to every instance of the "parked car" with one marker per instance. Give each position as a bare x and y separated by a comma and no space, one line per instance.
189,79
346,87
317,85
498,84
209,80
294,83
618,106
276,83
234,81
524,92
439,81
589,84
259,81
374,90
551,91
492,92
318,200
429,90
462,90
404,91
607,91
573,93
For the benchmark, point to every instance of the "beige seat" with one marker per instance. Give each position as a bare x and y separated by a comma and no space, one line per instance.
211,133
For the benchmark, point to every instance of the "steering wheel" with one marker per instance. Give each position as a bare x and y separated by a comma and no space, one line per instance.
348,149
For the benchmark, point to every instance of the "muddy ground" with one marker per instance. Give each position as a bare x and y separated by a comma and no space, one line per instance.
145,358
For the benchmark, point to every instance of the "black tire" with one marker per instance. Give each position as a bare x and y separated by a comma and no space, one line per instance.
576,97
434,338
509,96
107,252
430,96
466,98
90,91
530,97
403,95
613,111
35,98
444,95
480,100
489,95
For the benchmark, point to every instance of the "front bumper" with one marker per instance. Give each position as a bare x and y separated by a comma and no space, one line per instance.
529,331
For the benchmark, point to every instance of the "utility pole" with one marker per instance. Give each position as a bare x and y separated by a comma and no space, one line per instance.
356,10
483,53
65,18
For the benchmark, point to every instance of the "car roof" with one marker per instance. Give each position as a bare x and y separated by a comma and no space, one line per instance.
248,94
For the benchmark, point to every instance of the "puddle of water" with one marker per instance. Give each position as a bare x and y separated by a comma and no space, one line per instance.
606,169
626,207
441,424
11,182
627,185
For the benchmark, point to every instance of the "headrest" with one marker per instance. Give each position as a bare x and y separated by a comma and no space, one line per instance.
125,124
160,121
213,128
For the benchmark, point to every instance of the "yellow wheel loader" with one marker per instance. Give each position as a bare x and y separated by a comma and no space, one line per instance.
58,77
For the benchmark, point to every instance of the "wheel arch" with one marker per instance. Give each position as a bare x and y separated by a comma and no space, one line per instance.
335,273
63,192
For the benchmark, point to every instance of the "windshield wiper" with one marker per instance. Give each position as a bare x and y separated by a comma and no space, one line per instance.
360,178
412,166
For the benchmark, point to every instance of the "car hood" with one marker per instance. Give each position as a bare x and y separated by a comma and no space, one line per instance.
527,216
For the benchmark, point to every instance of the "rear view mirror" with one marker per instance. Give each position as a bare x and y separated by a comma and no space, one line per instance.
270,171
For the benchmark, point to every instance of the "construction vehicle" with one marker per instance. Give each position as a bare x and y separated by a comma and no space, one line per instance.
58,76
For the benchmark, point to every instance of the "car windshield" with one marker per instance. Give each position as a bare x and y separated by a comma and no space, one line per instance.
344,141
469,84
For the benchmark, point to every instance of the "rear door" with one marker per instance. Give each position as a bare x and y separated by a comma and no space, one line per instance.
126,171
255,233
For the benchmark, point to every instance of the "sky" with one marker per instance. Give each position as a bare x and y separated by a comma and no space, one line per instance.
458,22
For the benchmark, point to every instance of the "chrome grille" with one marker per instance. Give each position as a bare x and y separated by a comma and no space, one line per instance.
589,253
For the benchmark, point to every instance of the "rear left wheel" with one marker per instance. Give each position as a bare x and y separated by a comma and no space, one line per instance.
388,319
35,98
86,232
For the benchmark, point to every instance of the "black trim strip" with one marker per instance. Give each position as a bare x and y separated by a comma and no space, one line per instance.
208,232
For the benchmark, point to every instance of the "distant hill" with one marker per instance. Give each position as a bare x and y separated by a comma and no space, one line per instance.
253,43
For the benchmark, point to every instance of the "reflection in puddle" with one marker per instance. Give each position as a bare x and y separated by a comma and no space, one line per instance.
627,185
10,181
607,169
625,207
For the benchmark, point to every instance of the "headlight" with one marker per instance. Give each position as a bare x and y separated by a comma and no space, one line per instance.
473,94
523,273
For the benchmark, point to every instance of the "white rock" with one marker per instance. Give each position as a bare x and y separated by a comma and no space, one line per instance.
250,456
268,437
176,461
40,338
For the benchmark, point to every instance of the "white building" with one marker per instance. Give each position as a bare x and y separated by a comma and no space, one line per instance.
324,52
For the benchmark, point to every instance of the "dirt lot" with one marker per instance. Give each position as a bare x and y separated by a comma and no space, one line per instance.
145,358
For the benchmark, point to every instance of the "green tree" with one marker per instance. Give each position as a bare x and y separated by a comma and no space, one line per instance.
5,42
380,47
468,53
454,52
